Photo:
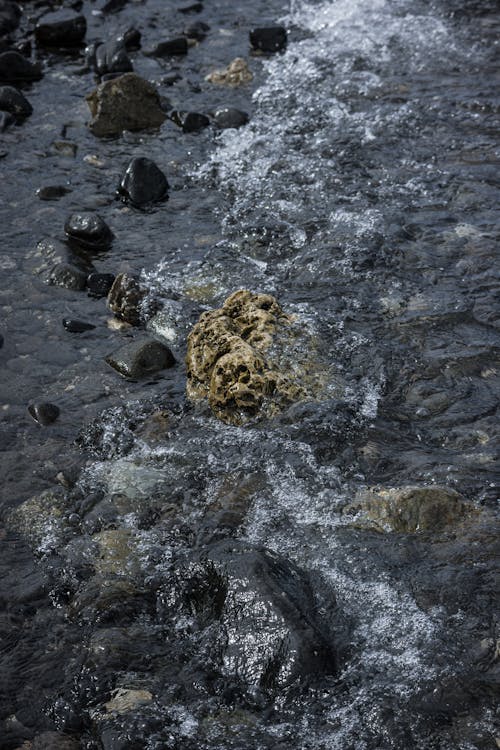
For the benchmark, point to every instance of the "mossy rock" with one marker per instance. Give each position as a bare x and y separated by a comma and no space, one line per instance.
250,357
411,509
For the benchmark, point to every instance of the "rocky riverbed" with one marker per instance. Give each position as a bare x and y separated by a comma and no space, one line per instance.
249,344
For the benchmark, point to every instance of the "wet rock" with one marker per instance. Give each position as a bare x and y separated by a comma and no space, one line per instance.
113,6
412,509
1,340
126,103
191,8
112,57
44,413
10,15
197,31
52,192
125,298
40,519
171,48
131,38
265,606
68,275
62,28
6,121
77,326
14,67
268,39
141,358
143,183
230,118
125,700
89,231
237,73
190,122
227,361
171,78
54,741
11,100
99,284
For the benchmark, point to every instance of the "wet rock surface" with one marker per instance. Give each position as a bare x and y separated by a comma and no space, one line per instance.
89,231
13,101
62,28
268,38
14,68
125,103
230,118
141,358
126,297
111,57
143,183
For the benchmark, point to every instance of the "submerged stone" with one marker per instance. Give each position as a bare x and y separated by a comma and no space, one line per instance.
229,363
112,57
14,67
88,230
11,100
197,30
143,183
52,192
170,48
413,508
190,122
230,118
62,28
125,103
77,326
99,284
141,358
125,700
237,73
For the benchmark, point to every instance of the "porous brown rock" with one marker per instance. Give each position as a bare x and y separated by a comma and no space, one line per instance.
229,360
124,103
237,73
411,509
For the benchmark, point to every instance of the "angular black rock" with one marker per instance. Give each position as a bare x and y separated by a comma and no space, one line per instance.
131,38
11,100
62,28
230,118
88,230
52,192
197,30
140,358
190,122
170,48
44,413
112,57
125,298
6,121
268,39
77,326
99,284
10,15
14,67
143,183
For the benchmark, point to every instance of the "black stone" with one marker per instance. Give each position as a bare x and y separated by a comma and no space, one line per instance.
14,67
10,15
192,8
112,57
170,48
6,121
61,267
197,30
143,183
268,39
77,326
113,6
131,38
11,100
44,413
88,230
69,275
1,340
52,192
99,284
140,358
62,28
230,118
190,122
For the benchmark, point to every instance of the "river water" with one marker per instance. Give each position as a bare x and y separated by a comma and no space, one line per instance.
212,573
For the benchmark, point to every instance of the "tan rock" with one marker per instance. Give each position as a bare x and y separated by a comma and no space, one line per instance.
125,700
237,73
229,359
124,103
412,509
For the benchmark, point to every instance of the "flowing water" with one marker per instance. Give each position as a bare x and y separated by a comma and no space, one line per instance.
213,575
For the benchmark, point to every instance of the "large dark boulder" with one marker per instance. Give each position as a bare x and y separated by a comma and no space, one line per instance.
62,28
14,67
88,230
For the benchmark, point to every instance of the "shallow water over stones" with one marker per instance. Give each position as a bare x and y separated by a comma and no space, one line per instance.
322,578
